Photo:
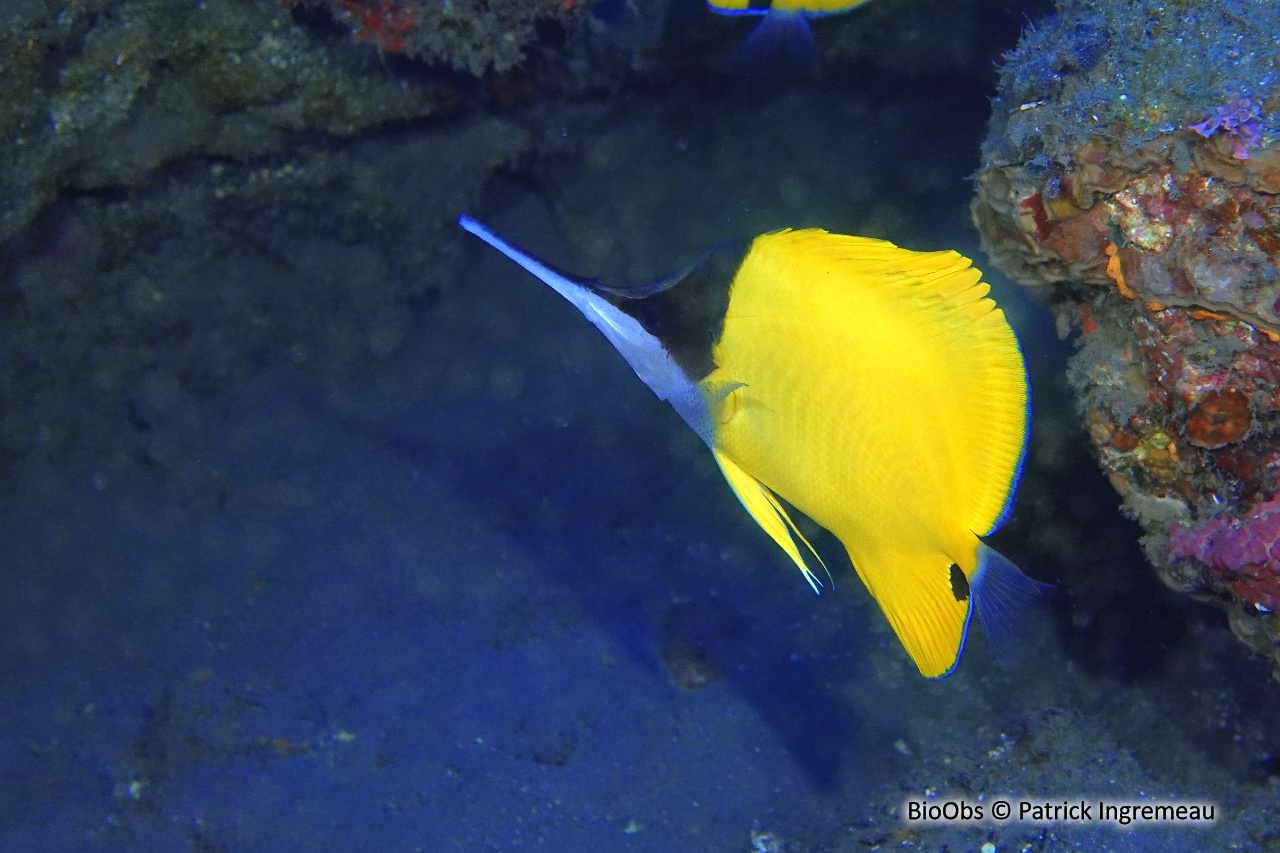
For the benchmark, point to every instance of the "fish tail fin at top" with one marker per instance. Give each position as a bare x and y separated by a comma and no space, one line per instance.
769,514
781,45
1007,602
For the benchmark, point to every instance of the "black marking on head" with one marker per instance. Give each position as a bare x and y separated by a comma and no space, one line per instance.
686,312
763,5
959,584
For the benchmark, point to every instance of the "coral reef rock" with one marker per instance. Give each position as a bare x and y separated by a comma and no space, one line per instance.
193,192
469,35
1132,175
95,96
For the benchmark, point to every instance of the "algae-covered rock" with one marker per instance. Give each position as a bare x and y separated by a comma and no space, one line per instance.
97,95
468,35
1132,176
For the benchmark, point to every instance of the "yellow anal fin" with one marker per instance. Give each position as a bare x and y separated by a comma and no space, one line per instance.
925,602
769,514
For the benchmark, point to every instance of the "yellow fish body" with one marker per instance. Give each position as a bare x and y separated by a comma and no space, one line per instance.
877,390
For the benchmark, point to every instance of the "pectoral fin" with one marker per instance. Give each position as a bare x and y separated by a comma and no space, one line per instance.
768,513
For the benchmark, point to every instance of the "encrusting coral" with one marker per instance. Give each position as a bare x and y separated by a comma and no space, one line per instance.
1132,176
469,35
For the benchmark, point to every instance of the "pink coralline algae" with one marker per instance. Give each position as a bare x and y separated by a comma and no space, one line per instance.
1243,553
1239,118
470,35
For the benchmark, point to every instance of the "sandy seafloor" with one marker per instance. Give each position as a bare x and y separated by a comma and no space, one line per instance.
445,606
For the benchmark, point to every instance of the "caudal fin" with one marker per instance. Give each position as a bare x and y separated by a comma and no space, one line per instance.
1009,604
781,45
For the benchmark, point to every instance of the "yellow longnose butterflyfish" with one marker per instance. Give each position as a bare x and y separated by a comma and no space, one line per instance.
877,390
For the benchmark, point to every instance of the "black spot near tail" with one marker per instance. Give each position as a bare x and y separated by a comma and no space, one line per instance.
959,584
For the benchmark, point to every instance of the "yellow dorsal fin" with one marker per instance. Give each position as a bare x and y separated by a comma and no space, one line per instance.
985,394
988,401
768,513
918,598
959,346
